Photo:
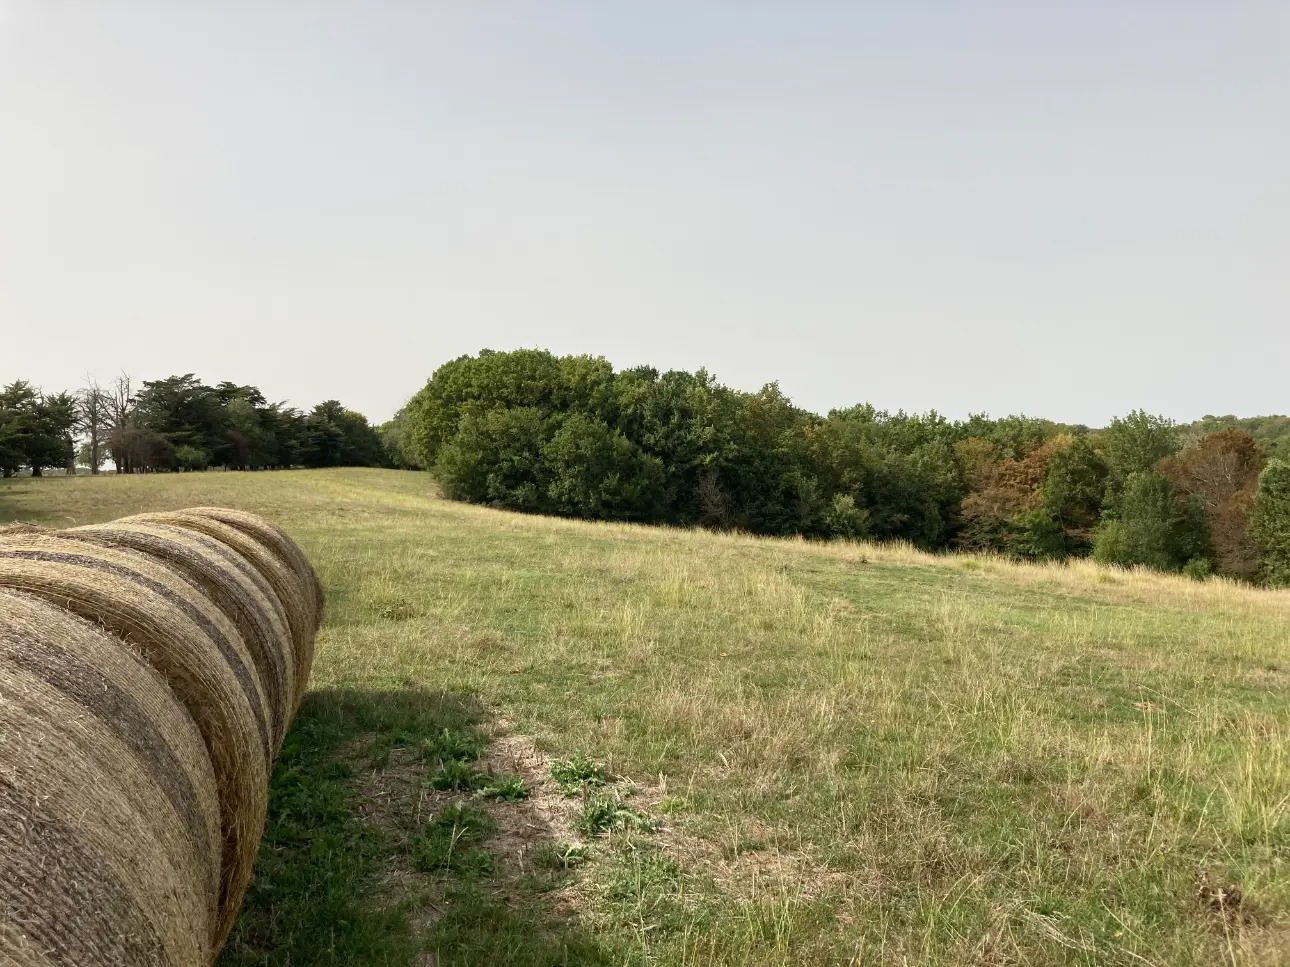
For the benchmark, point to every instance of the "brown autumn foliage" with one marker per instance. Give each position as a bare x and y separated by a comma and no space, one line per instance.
1222,469
1001,489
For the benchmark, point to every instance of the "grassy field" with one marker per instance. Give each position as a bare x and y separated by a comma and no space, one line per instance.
535,741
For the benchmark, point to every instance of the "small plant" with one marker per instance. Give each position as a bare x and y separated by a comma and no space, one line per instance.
605,812
1199,568
643,877
451,744
456,774
561,856
501,788
576,774
398,610
451,841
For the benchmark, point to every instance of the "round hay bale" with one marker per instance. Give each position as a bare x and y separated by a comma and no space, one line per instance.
296,591
155,611
19,527
110,837
275,538
234,586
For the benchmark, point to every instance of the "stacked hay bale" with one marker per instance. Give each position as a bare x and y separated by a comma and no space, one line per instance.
110,836
275,555
209,615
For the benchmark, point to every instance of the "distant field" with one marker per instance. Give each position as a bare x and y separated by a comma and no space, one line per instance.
811,754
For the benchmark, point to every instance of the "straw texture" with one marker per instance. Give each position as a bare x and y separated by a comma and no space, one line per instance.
281,562
234,586
149,671
273,536
110,834
199,652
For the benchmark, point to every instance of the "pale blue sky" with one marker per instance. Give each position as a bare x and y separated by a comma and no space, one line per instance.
1065,209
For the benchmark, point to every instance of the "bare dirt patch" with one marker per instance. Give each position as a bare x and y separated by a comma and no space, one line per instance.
546,816
394,796
752,862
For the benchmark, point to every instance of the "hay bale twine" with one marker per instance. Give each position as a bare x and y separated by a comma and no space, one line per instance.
155,611
110,832
275,556
235,586
275,538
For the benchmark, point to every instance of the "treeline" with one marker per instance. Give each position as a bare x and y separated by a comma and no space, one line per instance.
530,431
178,423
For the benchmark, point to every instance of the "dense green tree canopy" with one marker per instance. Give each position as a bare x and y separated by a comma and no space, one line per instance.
178,423
531,431
36,429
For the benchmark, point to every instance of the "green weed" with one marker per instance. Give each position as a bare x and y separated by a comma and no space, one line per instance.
605,812
577,774
451,841
456,774
561,856
452,745
501,788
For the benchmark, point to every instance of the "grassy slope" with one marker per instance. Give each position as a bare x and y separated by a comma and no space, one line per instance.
855,754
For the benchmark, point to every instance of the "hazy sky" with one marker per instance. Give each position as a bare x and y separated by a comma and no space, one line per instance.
1068,209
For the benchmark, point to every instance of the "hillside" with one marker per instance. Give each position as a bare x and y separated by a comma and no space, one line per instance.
779,752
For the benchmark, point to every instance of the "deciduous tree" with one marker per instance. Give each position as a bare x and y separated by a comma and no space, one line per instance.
1270,522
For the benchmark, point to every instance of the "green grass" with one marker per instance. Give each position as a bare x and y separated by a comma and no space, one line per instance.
841,754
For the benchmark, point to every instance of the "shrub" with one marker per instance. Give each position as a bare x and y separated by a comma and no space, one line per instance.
594,472
495,458
845,519
191,458
1038,536
1198,568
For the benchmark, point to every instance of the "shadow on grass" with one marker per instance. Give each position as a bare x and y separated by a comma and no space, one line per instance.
321,895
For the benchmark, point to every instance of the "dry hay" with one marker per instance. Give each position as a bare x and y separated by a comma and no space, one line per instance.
275,556
110,834
274,537
234,586
225,607
21,527
155,611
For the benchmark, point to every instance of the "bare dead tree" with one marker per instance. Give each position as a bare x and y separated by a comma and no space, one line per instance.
93,419
120,407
